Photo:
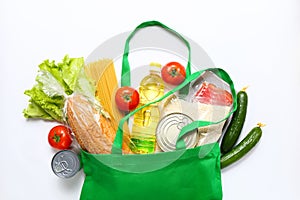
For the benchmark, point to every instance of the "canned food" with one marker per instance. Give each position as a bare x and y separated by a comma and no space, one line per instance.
65,164
168,130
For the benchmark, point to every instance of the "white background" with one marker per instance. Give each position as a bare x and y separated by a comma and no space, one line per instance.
257,42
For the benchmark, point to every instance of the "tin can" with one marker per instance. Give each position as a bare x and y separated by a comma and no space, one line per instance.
168,130
65,164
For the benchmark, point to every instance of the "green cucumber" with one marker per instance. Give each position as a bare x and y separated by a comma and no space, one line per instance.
243,147
235,127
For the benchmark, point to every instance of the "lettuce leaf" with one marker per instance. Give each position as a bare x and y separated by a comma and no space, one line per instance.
35,111
65,73
49,84
54,83
86,87
70,68
53,106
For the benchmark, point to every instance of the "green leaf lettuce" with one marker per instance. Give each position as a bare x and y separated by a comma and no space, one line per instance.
54,83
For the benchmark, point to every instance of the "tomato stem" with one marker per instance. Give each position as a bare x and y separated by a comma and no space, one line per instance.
56,138
174,72
127,97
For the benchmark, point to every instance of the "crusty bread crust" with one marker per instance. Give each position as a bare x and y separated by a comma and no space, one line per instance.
92,130
82,118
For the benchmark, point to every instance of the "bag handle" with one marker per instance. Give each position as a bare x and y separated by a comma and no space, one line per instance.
125,76
117,144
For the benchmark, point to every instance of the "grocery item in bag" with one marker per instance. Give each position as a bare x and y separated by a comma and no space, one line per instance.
210,89
92,130
205,102
169,128
210,94
146,120
103,73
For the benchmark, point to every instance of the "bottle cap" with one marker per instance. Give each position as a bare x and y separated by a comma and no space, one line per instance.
155,64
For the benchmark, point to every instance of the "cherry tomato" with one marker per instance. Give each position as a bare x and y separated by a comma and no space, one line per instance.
173,73
210,94
127,98
59,137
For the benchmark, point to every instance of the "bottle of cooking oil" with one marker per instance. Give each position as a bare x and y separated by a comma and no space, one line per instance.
143,134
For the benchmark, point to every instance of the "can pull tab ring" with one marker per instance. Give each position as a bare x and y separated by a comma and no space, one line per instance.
182,124
61,166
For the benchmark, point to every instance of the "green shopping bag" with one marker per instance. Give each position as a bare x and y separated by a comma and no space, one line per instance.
181,174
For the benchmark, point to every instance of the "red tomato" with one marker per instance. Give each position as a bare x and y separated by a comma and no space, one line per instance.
127,98
59,137
210,94
173,73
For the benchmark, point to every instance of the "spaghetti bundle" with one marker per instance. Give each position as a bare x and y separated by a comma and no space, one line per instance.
103,72
104,75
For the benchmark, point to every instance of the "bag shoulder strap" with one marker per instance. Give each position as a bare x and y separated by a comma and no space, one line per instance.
125,76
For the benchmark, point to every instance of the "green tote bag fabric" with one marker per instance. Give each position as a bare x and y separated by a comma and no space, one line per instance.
182,174
190,176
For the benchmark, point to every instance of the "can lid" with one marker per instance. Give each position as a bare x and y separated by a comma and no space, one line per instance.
168,130
65,164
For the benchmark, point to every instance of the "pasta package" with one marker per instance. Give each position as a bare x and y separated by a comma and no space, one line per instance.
103,73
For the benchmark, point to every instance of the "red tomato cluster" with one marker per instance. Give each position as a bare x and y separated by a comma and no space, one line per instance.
127,98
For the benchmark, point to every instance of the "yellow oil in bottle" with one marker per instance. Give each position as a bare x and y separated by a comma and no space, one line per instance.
143,134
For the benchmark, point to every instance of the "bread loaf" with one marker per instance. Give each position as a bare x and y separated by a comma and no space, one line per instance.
84,120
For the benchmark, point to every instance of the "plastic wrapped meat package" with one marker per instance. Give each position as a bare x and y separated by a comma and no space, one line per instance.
209,99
